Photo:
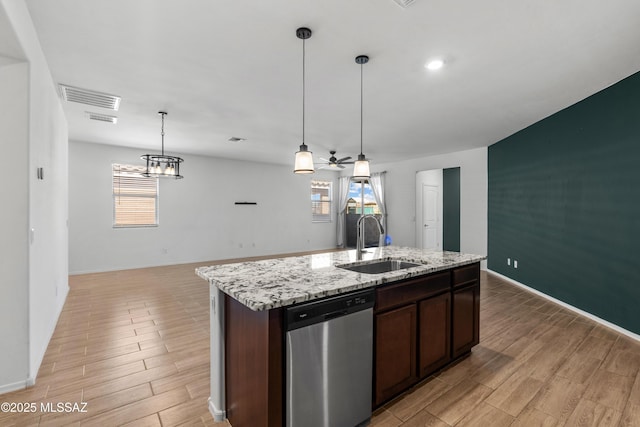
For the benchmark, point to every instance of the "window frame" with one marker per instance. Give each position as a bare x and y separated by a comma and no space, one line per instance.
326,217
133,171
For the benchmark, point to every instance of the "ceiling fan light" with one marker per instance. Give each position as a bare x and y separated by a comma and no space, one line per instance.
361,169
304,161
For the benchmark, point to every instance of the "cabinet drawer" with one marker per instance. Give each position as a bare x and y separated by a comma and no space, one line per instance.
412,290
466,275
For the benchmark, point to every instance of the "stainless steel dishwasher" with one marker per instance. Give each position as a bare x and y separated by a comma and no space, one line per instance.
329,351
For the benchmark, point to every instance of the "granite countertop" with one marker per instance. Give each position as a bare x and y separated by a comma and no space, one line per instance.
279,282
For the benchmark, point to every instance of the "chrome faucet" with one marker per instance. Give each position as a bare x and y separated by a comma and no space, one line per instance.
360,234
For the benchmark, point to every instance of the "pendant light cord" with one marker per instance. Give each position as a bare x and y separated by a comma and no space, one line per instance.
303,88
361,107
162,132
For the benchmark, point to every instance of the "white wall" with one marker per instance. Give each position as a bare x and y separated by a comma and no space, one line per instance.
198,218
401,199
40,138
49,212
14,250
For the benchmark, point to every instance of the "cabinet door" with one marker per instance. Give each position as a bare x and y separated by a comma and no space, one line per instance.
434,329
395,352
466,319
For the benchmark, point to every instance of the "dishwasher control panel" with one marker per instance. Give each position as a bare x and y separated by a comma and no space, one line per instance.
326,309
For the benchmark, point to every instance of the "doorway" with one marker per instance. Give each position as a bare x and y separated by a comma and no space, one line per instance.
361,202
438,209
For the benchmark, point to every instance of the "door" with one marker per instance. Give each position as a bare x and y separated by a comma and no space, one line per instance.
466,319
434,343
395,352
431,217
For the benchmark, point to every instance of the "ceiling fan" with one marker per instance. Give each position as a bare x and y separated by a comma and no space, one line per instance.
333,162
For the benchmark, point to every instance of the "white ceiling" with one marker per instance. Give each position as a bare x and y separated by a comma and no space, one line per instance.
224,68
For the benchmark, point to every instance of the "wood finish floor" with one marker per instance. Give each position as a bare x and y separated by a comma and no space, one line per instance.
134,345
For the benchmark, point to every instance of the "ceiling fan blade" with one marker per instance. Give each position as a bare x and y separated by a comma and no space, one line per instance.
343,159
324,160
341,167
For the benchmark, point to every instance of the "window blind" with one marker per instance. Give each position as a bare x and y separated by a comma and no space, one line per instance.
321,201
135,198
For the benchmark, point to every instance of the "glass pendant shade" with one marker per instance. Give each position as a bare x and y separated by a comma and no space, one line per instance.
304,161
361,169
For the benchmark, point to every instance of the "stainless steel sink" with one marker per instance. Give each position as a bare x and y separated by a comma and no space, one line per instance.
379,266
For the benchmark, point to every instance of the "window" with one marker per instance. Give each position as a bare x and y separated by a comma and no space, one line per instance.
321,201
135,197
360,192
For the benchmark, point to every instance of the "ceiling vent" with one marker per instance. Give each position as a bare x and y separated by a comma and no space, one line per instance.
89,97
101,117
404,3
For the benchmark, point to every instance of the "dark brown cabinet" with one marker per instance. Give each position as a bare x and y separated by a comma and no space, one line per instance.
434,348
465,309
412,332
421,325
395,349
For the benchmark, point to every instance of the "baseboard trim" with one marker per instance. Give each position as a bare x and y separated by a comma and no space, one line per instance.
218,415
20,385
595,318
35,369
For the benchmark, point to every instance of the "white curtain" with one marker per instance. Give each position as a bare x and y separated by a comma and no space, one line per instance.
343,198
377,185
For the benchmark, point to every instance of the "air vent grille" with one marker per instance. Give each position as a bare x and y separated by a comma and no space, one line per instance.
404,3
89,97
101,117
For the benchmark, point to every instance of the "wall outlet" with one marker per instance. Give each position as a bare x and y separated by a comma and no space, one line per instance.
508,261
515,263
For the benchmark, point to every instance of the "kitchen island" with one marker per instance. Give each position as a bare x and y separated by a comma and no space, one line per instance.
425,317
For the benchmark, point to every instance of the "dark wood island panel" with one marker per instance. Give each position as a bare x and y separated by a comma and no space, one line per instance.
254,365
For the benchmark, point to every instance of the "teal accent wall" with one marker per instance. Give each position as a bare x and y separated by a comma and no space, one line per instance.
451,209
564,201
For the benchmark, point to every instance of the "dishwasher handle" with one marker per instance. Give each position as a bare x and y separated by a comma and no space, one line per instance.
334,314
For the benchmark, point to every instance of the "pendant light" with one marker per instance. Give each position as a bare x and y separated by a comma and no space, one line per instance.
304,158
161,165
361,170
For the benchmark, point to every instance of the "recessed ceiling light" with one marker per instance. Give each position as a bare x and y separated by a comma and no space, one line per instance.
434,64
